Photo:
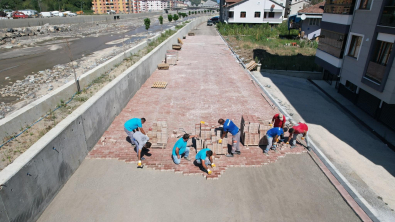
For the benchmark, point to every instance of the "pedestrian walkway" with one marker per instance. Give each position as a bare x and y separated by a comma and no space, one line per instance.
207,84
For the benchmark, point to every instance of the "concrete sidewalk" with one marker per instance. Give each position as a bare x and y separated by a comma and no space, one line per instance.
367,163
206,84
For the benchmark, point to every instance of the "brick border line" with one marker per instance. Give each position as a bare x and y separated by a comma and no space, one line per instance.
362,203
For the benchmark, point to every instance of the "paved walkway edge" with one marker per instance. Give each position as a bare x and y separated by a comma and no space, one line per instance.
363,204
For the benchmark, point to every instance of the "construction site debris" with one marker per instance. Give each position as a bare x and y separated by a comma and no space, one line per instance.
253,130
191,34
163,66
177,46
159,85
180,41
158,134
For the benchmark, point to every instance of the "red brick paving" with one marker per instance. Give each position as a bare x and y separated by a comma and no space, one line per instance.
206,84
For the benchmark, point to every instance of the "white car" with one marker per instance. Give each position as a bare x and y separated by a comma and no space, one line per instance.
71,14
46,14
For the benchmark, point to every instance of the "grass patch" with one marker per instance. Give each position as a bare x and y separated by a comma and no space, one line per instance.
271,46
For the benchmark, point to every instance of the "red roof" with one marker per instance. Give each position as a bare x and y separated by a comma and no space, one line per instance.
317,8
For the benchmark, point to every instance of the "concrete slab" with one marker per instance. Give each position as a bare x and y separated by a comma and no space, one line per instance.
361,157
292,189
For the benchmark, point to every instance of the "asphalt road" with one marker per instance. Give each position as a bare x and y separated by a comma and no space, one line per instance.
292,189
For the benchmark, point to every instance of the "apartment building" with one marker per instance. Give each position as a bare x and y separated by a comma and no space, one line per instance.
122,6
356,50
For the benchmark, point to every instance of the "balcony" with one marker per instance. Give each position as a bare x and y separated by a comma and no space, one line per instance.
375,72
388,16
294,25
331,50
342,9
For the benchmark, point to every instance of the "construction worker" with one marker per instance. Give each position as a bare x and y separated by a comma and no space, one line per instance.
141,141
272,137
300,128
230,127
181,149
133,125
205,157
279,120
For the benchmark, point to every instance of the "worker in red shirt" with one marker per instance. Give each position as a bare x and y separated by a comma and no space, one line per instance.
279,121
300,128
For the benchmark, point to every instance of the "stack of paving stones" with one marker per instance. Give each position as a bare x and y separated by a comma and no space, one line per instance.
253,130
209,135
158,134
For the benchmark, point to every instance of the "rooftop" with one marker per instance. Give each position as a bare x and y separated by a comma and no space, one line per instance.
316,9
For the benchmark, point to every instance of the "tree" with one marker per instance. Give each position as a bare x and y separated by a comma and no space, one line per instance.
175,17
147,23
189,12
170,18
10,4
161,22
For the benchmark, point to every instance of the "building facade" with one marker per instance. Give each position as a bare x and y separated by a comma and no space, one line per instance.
252,11
356,50
309,26
128,6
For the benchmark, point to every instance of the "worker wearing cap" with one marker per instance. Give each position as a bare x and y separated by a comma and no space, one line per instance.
133,125
181,149
279,120
230,127
300,128
141,141
272,137
205,157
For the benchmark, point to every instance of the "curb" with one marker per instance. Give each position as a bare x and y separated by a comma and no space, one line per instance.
363,204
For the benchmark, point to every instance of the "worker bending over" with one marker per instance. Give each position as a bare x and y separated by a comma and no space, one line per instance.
205,157
230,127
279,120
181,149
272,137
300,128
141,141
133,125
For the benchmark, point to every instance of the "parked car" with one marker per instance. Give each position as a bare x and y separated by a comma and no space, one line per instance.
19,15
55,13
111,12
46,14
71,14
213,20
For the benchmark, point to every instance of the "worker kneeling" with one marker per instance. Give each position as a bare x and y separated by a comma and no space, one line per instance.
181,149
272,137
205,157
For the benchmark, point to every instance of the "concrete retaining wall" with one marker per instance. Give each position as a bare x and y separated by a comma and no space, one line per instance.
298,74
16,23
33,179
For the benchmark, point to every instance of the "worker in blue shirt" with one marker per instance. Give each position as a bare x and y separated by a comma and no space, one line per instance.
133,125
230,127
205,157
181,149
272,135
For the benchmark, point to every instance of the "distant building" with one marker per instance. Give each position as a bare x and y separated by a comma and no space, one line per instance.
210,4
310,26
253,11
295,5
122,6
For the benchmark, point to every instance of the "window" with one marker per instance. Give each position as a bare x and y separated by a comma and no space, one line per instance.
382,53
314,21
257,14
242,14
230,14
271,14
350,86
365,4
355,46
